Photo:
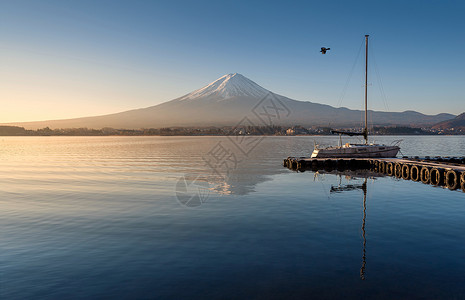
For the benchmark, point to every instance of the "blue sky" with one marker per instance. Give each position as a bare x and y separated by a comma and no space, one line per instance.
63,59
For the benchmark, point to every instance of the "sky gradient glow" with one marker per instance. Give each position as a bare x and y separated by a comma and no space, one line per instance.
63,59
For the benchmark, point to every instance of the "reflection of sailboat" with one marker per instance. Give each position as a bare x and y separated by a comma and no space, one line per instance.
363,187
364,257
358,150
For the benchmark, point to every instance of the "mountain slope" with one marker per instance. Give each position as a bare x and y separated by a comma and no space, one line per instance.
229,99
457,122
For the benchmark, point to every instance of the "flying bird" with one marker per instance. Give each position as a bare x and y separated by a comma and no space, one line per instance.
323,50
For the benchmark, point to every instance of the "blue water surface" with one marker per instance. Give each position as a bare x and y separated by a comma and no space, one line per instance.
164,218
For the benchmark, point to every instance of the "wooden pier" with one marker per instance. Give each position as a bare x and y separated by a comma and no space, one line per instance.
439,171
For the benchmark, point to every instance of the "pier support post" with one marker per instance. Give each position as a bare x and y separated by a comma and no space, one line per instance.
414,173
341,164
406,172
462,181
436,176
398,170
389,168
381,166
452,180
424,175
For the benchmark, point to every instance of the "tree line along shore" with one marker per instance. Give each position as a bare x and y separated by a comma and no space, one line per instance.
218,131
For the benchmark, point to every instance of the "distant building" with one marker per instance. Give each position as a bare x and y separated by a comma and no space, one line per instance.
296,130
290,131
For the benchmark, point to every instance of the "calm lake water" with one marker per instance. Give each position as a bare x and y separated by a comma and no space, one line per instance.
220,218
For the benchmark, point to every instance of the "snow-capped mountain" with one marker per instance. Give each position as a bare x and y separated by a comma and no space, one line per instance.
228,100
228,86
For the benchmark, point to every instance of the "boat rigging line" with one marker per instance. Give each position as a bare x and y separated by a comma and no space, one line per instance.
346,86
378,78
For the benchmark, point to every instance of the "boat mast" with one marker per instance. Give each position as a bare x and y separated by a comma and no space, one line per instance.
365,132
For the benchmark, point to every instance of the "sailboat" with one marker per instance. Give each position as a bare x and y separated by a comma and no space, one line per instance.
358,150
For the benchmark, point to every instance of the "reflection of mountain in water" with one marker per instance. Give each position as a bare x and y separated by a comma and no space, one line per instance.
237,183
230,169
243,172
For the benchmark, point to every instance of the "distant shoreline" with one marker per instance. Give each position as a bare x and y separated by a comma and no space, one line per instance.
215,131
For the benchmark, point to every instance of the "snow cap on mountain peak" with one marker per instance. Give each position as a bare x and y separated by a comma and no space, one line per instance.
228,86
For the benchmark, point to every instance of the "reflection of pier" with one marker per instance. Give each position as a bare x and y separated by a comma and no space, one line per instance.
448,172
363,187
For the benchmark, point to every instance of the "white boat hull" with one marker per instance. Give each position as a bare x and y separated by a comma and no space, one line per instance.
356,150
